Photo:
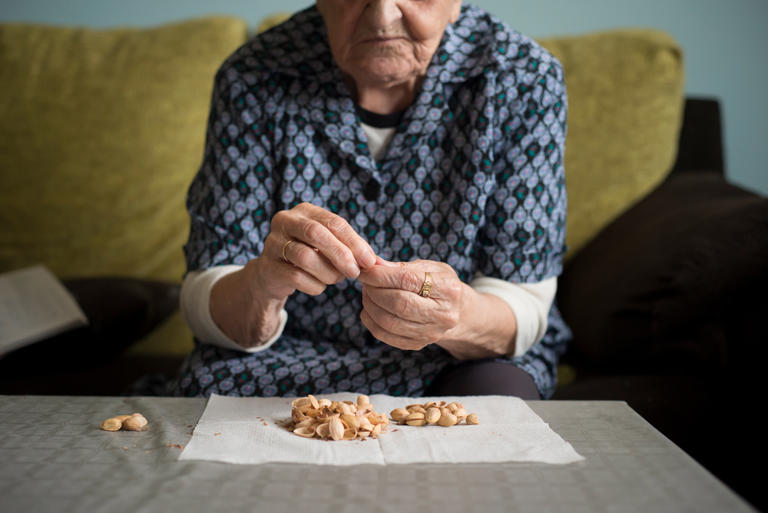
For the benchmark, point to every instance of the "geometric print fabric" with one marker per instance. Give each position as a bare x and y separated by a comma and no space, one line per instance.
472,177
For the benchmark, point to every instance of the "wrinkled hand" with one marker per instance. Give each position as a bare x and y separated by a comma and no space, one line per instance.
307,249
394,312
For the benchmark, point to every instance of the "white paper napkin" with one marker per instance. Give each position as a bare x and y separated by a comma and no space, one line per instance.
249,431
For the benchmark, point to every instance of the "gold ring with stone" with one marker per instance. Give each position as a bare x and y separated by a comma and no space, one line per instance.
285,246
426,287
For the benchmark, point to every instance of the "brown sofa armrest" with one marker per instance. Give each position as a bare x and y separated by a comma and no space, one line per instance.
665,286
700,147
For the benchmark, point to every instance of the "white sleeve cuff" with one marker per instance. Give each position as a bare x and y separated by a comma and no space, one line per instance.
530,303
196,309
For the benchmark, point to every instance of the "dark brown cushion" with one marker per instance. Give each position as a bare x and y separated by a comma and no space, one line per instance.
120,311
677,282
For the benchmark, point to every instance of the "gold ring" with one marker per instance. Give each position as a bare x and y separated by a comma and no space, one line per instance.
285,246
426,287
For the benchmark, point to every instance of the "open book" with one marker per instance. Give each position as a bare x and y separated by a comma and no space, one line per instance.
34,305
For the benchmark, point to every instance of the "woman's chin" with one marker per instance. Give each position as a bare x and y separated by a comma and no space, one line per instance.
384,72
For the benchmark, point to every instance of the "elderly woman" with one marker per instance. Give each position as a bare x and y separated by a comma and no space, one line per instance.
380,209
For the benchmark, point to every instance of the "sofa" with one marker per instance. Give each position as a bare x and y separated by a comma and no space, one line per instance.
666,305
102,132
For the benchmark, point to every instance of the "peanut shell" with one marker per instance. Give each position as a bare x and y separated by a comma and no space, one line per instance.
398,414
336,428
112,424
305,431
432,416
447,420
417,415
135,422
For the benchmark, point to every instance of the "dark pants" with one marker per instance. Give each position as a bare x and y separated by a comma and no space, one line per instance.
484,377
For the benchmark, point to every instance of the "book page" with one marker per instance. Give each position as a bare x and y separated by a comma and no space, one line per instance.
34,305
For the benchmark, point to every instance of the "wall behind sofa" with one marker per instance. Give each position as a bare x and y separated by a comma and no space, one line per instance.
724,44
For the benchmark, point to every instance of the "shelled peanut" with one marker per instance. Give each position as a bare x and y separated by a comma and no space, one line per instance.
432,413
133,422
336,420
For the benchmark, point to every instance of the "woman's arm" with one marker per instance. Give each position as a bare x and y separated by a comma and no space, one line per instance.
524,242
467,323
241,311
530,302
487,328
196,309
500,319
305,248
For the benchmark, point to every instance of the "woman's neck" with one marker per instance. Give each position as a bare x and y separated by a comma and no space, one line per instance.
384,99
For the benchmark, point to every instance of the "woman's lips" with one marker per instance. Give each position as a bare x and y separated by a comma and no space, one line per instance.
382,40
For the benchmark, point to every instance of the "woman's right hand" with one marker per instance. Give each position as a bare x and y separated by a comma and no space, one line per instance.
309,248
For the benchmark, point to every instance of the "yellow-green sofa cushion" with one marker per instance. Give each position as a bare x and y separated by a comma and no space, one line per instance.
625,102
100,135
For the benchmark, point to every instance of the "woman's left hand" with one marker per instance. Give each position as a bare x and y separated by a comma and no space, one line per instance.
395,313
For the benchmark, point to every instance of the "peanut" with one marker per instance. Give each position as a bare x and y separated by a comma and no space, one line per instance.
112,424
398,414
447,420
417,415
433,415
133,422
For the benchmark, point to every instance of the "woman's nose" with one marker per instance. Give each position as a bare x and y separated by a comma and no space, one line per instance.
383,13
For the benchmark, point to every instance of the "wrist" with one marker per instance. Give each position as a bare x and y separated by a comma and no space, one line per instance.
260,290
242,310
456,339
463,328
262,317
483,330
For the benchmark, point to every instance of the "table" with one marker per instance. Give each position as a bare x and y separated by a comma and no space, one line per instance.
54,458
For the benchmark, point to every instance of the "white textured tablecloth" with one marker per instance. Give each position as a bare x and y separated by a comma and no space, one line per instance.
249,431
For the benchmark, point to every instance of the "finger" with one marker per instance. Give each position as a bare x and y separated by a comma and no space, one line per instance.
380,333
314,234
444,284
394,324
301,280
340,228
381,261
310,261
399,303
401,277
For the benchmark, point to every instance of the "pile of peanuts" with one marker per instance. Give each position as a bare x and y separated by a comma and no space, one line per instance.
344,420
133,422
431,413
336,420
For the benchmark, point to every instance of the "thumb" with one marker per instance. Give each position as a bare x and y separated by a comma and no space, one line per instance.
386,263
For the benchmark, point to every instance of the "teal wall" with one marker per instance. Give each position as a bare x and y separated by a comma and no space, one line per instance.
724,43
